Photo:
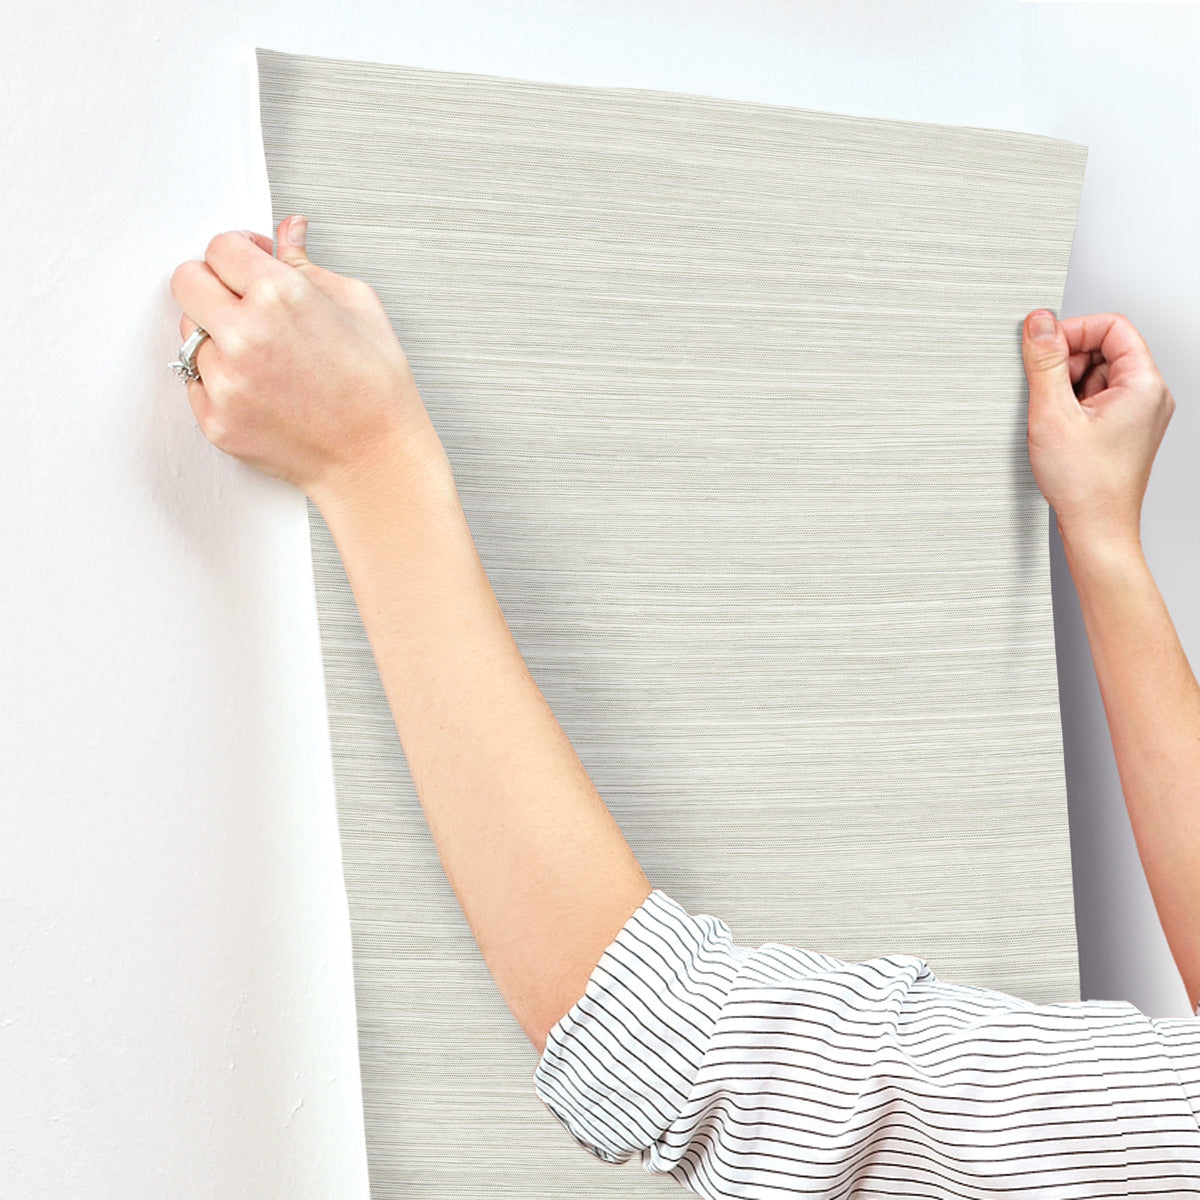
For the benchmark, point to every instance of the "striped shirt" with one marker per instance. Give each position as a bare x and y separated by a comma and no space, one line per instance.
782,1072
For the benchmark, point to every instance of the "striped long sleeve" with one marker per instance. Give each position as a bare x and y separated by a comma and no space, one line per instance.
778,1072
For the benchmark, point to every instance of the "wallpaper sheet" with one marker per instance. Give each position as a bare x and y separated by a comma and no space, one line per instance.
734,399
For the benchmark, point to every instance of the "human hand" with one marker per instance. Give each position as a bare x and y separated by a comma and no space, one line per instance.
301,375
1098,409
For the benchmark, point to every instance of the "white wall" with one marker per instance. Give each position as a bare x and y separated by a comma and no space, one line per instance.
176,1008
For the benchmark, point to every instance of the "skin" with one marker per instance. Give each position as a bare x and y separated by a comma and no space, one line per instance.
304,379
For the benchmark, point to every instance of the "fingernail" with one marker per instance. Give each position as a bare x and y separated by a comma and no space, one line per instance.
1041,324
296,230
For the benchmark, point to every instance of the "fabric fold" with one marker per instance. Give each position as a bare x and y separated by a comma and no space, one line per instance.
620,1064
744,1071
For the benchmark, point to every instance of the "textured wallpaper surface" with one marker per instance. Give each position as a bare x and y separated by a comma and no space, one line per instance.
734,399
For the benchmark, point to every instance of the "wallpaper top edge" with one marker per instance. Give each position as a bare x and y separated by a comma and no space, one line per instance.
278,62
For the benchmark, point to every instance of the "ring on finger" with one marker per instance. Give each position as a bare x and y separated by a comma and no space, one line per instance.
185,365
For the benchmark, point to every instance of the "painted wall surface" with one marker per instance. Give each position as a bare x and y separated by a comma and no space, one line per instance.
176,1004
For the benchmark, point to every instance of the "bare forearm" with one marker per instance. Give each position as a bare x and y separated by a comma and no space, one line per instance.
542,872
1152,702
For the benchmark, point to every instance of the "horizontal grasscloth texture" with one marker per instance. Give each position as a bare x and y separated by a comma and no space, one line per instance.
734,399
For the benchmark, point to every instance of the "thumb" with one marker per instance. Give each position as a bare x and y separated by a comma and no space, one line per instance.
291,250
290,235
1047,356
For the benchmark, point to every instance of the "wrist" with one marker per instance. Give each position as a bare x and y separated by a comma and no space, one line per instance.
1100,532
1089,549
400,473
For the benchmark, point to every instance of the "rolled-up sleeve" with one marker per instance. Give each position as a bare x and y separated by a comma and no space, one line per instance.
779,1071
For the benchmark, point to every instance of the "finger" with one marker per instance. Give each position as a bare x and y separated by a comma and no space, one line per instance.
1044,349
186,328
261,240
291,238
1111,335
1080,362
198,397
1095,381
293,251
238,260
203,296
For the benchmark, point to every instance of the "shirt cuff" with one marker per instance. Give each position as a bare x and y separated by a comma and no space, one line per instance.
619,1065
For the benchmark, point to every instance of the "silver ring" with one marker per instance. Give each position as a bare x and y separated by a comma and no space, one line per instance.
185,367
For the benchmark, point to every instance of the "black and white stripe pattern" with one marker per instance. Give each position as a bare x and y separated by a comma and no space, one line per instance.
783,1072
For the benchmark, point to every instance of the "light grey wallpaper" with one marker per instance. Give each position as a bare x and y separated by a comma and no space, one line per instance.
734,399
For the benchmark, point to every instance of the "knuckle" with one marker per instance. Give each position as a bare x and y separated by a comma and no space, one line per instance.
292,289
214,428
277,291
1042,355
261,291
216,242
363,290
234,343
180,276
